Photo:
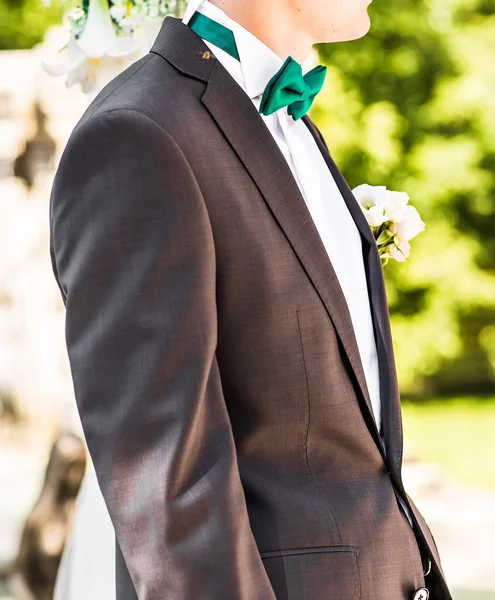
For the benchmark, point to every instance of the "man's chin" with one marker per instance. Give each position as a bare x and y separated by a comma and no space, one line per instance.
359,31
363,29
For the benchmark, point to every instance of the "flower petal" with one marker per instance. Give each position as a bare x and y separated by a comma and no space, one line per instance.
375,216
410,224
99,37
399,253
62,68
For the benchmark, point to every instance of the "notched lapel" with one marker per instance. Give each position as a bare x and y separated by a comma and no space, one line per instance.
179,45
389,391
237,117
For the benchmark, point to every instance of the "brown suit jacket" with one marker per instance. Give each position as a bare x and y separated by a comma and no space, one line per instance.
213,356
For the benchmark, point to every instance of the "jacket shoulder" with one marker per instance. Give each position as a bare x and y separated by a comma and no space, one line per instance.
151,86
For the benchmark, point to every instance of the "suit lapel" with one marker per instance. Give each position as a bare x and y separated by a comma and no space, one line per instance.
389,389
245,130
389,392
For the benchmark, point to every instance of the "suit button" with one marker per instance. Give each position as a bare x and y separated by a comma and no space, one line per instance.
421,594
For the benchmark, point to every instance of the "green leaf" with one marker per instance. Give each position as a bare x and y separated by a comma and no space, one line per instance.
385,237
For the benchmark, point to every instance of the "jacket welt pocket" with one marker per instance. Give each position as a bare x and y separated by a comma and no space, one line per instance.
314,573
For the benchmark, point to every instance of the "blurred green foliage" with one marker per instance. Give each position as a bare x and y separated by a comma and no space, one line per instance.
23,22
456,433
412,106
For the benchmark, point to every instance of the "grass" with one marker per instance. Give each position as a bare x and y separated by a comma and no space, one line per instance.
459,434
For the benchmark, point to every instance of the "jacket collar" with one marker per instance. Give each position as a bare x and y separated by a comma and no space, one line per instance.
184,49
258,63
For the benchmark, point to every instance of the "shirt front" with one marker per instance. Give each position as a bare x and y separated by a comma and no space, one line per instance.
335,225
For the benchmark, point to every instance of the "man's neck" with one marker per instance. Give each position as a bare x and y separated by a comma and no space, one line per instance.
271,22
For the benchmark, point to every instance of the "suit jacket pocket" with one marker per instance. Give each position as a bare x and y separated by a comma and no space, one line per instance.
320,573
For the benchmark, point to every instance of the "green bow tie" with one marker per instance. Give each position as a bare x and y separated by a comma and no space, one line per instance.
288,87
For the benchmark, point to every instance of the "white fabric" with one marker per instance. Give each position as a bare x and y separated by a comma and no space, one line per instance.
87,568
337,229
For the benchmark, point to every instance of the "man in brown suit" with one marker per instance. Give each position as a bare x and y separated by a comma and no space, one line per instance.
238,396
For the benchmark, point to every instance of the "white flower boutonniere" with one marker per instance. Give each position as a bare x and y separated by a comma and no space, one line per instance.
392,219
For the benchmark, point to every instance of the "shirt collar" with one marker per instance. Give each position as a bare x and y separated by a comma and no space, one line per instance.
258,62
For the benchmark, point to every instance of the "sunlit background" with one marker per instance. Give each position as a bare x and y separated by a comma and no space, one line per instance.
410,106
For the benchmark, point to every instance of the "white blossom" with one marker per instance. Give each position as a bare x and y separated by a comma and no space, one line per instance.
99,48
375,216
98,53
79,68
392,219
409,225
99,37
379,204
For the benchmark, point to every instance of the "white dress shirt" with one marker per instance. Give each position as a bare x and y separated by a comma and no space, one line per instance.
338,232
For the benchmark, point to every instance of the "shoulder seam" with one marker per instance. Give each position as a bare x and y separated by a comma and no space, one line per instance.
132,110
168,135
148,118
95,108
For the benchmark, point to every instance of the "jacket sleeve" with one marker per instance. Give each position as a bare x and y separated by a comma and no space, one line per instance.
133,254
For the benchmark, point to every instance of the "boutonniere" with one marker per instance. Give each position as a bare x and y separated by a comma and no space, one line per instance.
393,221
